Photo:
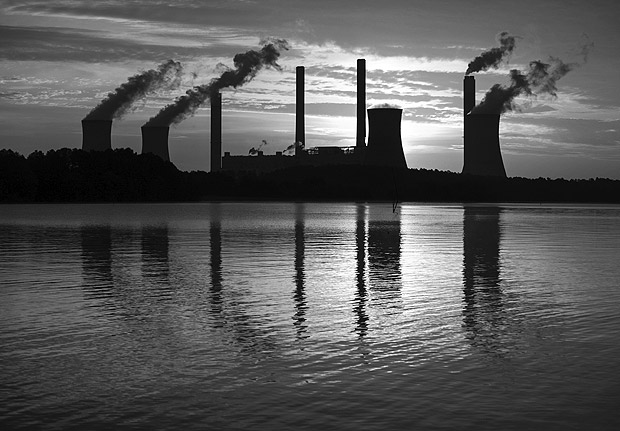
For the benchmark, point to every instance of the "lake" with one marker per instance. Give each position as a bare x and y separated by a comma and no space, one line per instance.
331,316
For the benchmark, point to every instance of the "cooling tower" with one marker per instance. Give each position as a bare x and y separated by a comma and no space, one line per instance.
155,141
360,140
481,153
300,134
216,132
96,135
385,147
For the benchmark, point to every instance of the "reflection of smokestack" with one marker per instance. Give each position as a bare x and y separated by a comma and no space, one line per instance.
481,153
385,147
300,135
361,103
299,294
216,132
96,135
155,141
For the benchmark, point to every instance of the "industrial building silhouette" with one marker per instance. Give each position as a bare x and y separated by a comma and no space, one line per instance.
482,155
481,152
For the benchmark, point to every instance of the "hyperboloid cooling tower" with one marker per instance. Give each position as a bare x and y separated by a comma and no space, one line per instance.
155,140
216,132
96,135
385,147
482,155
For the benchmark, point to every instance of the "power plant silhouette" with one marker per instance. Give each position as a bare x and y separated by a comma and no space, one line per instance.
482,155
481,150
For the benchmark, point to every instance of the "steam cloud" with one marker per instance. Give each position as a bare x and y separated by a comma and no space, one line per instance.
253,151
247,65
291,147
541,78
119,102
493,57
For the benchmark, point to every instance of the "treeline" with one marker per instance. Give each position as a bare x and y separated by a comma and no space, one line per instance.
72,175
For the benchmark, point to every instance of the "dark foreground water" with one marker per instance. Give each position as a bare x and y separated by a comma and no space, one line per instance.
309,316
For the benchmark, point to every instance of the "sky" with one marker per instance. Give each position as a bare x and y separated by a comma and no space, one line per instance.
59,59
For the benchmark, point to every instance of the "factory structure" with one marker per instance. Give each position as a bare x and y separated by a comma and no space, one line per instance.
481,152
482,155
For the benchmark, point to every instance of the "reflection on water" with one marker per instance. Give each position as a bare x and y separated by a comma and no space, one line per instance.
155,258
299,295
483,310
233,315
96,244
229,301
215,263
360,252
384,253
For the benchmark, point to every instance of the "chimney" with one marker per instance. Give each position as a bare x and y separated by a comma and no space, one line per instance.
361,103
469,94
482,155
300,136
385,147
96,135
155,141
216,132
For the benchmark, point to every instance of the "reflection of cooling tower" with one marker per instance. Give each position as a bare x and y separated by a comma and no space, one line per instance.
482,155
385,147
96,135
360,140
481,247
300,134
216,132
155,140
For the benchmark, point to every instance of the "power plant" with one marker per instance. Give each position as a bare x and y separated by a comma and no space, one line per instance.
482,155
384,148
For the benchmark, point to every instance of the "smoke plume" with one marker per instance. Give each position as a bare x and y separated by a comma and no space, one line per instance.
291,147
247,65
120,101
541,78
493,57
254,151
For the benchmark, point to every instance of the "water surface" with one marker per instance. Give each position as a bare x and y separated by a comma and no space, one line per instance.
309,316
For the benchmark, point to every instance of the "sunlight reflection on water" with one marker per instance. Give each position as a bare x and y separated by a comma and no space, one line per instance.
339,316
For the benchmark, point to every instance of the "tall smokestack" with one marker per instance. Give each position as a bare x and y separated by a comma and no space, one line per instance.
361,103
155,141
300,134
96,135
385,147
469,93
216,132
